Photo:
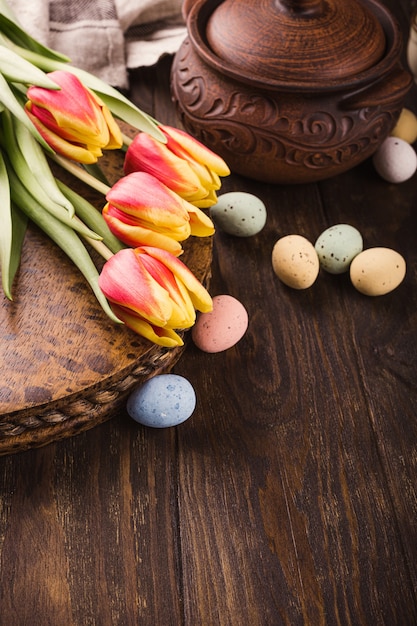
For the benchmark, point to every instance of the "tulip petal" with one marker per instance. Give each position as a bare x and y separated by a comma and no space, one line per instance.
200,297
125,281
187,303
144,196
209,179
201,224
75,114
178,233
185,146
147,155
207,202
115,134
73,107
69,114
45,118
61,146
183,313
134,234
161,336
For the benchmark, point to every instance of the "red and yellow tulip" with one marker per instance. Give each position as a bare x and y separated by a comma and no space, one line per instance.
153,293
73,120
141,210
182,163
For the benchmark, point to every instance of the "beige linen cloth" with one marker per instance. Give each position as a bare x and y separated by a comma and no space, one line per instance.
105,37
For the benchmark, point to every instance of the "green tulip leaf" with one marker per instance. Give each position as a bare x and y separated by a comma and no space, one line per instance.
39,166
94,169
12,104
92,217
65,237
19,227
18,70
5,230
18,36
129,113
35,186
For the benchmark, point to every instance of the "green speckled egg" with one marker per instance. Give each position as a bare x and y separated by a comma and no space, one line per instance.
337,246
239,213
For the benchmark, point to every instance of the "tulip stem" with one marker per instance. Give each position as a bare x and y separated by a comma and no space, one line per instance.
100,247
126,140
81,174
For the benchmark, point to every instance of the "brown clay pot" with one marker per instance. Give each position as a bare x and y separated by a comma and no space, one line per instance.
290,91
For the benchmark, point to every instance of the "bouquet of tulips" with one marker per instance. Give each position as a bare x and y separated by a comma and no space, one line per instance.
53,111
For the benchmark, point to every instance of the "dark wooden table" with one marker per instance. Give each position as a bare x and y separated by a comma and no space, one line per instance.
289,497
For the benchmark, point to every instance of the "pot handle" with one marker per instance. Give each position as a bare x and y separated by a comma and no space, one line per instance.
385,91
301,7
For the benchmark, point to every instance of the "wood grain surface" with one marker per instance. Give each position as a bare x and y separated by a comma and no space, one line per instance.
289,497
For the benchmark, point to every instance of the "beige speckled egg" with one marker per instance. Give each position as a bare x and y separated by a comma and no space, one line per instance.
395,160
406,127
295,261
221,328
377,271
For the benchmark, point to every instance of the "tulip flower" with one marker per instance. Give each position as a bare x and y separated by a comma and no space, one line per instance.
73,120
143,211
153,293
182,163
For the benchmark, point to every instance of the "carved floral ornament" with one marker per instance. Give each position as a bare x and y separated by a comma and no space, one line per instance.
240,121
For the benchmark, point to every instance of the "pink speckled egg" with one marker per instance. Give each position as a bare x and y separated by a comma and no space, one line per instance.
222,327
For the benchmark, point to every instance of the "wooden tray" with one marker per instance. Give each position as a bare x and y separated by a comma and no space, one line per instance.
65,367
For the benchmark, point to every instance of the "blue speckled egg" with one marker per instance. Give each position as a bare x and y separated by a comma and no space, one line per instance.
239,213
162,401
337,246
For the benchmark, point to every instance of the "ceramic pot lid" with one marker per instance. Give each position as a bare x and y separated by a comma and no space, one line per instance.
290,40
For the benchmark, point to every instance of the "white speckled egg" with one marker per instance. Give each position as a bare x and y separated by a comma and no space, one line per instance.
395,160
337,246
162,401
377,271
222,327
295,261
406,127
239,213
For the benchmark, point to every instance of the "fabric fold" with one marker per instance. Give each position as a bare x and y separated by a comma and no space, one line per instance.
105,37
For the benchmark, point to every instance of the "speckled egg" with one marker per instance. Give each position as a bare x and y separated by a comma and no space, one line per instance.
377,271
239,213
395,160
222,327
295,261
406,127
162,401
337,246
